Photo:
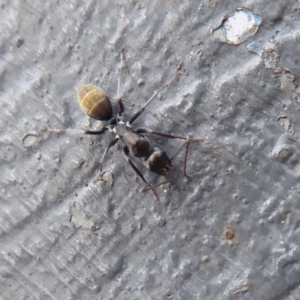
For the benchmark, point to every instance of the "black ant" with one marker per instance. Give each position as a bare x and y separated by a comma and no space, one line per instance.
96,104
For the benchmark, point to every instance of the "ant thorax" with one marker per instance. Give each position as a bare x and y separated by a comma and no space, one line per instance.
139,145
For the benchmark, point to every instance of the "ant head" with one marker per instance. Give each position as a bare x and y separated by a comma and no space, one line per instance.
95,103
158,162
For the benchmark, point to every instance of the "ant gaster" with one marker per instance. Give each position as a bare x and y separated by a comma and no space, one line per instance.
96,104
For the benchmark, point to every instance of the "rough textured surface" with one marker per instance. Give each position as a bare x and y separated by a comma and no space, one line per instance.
230,231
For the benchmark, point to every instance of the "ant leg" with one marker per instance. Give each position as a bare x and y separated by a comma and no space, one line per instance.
185,160
137,171
96,132
175,77
121,107
169,136
187,145
122,67
119,101
112,143
146,188
75,131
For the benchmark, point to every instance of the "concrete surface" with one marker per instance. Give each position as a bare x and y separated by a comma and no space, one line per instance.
229,231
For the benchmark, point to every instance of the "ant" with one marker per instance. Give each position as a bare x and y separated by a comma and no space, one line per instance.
96,104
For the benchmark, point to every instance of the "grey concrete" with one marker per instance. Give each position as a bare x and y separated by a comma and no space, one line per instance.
230,231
